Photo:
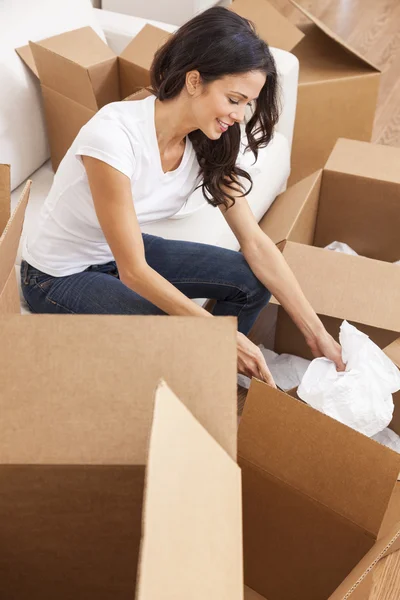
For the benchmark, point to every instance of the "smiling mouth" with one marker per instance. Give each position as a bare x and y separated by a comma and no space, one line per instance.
223,126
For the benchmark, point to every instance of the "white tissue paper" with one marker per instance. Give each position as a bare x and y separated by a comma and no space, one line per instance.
345,249
341,247
388,438
287,370
361,396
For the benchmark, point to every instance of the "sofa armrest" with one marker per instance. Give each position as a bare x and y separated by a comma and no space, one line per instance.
119,29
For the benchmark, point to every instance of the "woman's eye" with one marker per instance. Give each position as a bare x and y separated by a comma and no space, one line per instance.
233,101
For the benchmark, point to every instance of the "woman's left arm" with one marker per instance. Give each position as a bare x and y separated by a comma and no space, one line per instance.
270,267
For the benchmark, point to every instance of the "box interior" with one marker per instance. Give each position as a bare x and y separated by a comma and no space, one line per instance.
298,467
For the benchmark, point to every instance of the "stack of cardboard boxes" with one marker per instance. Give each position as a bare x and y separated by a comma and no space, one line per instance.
112,485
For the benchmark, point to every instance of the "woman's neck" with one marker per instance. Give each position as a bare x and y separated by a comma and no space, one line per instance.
173,122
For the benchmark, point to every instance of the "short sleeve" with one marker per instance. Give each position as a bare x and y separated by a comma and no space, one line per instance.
108,141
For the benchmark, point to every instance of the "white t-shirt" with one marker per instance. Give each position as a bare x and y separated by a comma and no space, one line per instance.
69,238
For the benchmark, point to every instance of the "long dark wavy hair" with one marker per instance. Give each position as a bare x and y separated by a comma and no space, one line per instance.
216,43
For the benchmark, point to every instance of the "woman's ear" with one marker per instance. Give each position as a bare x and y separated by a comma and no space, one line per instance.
193,82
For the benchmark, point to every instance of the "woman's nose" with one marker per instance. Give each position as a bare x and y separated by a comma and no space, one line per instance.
238,115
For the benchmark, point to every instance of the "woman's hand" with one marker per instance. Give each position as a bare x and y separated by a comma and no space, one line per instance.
324,345
251,361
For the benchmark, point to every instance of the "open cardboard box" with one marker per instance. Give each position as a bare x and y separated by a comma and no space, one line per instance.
82,489
111,485
321,503
79,74
10,233
355,199
338,87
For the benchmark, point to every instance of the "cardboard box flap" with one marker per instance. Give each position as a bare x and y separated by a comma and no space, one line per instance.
393,352
192,535
350,290
273,27
71,407
25,53
5,187
9,240
362,159
141,49
81,46
66,77
333,36
383,547
333,465
282,219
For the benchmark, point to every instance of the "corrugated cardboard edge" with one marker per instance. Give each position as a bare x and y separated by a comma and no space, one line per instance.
5,186
25,53
9,240
336,38
382,548
179,541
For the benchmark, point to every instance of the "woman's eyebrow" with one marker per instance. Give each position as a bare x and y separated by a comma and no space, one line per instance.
240,94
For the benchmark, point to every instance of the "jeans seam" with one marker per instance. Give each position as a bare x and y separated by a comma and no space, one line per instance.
53,301
210,282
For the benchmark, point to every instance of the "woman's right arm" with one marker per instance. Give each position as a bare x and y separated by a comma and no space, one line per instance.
112,197
113,202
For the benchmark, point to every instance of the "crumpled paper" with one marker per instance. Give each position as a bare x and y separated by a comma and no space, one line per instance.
361,396
388,438
287,370
345,249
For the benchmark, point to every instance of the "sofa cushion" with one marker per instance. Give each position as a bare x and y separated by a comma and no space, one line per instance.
23,141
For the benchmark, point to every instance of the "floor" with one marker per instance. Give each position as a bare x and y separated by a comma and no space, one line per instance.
373,28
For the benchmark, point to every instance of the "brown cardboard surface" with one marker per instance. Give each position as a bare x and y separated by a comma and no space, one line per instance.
333,35
9,296
192,534
292,427
362,212
294,212
350,290
270,24
77,428
350,104
372,161
9,242
25,53
80,46
4,196
62,131
135,61
305,504
45,405
64,76
338,87
86,75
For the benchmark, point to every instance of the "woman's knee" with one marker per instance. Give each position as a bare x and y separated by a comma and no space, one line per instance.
258,293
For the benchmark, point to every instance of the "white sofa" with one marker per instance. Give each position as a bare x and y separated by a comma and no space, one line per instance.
23,142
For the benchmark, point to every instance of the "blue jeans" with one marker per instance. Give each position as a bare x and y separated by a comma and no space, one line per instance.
197,270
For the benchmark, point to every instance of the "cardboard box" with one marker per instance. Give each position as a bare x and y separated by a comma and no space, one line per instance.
355,199
107,491
10,233
321,503
338,87
79,74
82,489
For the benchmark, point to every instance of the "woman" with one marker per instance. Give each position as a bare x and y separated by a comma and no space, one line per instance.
138,161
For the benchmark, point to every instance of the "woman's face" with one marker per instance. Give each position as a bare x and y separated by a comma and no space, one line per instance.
218,105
